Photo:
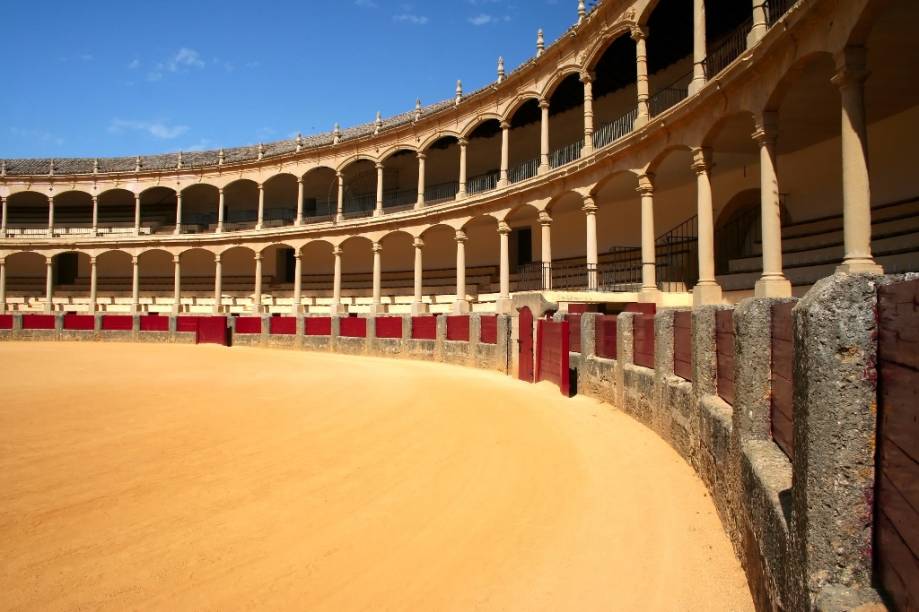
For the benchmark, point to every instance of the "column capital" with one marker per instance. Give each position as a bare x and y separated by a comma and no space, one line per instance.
639,33
421,155
767,128
217,258
257,256
587,76
175,259
505,125
92,260
297,254
378,165
590,207
702,160
134,260
504,228
543,104
337,251
418,243
545,219
260,186
646,184
220,191
851,67
49,260
463,142
376,247
461,236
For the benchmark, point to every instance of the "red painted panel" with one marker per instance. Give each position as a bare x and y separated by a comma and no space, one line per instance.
187,324
458,328
317,326
782,399
389,327
581,309
724,351
37,321
897,492
353,327
424,328
248,325
282,326
552,353
154,323
574,331
643,340
649,309
682,344
605,336
525,345
6,321
213,330
488,329
75,322
117,322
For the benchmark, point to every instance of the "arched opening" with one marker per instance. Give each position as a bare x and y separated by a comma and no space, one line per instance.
240,199
569,241
70,281
525,254
197,281
525,141
280,200
114,278
116,212
360,185
483,257
619,232
238,282
441,174
398,271
615,92
27,214
320,195
25,281
670,48
158,210
156,274
199,208
440,266
566,121
73,213
676,221
357,273
318,265
400,180
483,157
278,270
727,27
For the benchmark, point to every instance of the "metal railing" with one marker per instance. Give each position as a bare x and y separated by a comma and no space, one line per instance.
483,182
359,205
727,49
523,171
400,199
670,95
737,239
677,254
317,211
441,192
609,133
775,9
566,154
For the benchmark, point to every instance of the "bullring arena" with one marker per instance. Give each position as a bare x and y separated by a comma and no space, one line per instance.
668,311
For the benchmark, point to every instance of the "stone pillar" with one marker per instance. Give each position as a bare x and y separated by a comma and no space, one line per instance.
261,207
178,228
137,214
299,220
337,307
49,283
298,281
760,27
850,78
95,215
461,305
418,305
505,153
545,224
461,191
378,210
257,294
135,284
590,211
588,148
51,215
177,285
699,50
220,207
420,202
773,282
93,285
544,137
2,284
377,306
218,284
640,36
340,206
707,290
3,217
504,304
649,291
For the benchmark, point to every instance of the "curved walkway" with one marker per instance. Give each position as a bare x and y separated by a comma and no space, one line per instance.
138,476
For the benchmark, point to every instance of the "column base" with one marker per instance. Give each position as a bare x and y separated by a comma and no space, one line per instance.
259,226
504,305
378,309
706,294
641,121
420,308
338,308
543,169
460,195
502,183
860,266
377,212
756,34
649,295
695,85
461,307
339,218
419,205
772,287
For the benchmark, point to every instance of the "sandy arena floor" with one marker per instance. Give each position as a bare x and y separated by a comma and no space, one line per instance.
182,477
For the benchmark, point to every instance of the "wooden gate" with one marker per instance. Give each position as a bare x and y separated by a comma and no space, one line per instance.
896,517
525,345
213,330
552,359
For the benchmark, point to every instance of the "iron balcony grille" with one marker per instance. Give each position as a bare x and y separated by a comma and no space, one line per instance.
441,192
609,133
776,9
670,96
727,50
523,171
566,154
483,182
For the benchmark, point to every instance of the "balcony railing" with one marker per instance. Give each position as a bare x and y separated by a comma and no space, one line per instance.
441,192
670,96
483,182
356,206
566,154
775,9
609,133
400,199
523,171
727,49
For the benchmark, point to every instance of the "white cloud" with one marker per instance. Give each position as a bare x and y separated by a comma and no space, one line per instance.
410,18
486,19
158,129
183,60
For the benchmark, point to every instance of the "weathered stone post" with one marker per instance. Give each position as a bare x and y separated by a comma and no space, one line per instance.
441,337
505,342
475,337
625,353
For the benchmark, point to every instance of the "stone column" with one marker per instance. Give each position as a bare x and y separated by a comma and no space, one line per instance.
544,137
379,203
377,306
461,191
545,224
178,228
336,283
93,286
588,148
257,294
504,304
420,202
95,229
505,153
2,284
649,291
299,220
51,215
298,281
340,206
856,186
3,216
49,283
773,283
590,210
177,285
461,305
135,284
699,50
418,305
136,214
220,208
760,27
707,290
261,207
640,36
218,284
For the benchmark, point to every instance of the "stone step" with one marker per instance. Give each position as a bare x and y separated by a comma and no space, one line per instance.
835,223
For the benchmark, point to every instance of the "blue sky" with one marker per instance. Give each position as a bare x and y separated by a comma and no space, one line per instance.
125,77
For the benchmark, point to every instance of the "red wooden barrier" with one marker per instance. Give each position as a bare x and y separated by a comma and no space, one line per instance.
213,330
389,327
75,322
488,329
248,325
317,326
574,331
117,322
782,399
187,324
897,512
682,344
458,328
724,352
282,326
424,328
605,336
353,327
643,340
154,323
6,321
552,353
649,309
37,321
525,346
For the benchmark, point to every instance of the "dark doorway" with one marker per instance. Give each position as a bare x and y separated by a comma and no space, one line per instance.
65,269
286,265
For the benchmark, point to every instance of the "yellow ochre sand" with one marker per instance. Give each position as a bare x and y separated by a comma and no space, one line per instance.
183,477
